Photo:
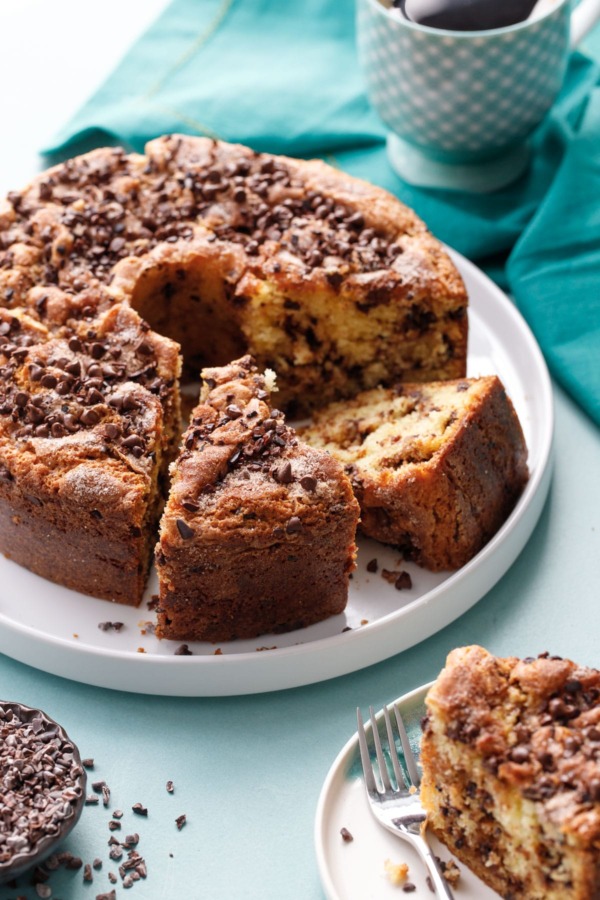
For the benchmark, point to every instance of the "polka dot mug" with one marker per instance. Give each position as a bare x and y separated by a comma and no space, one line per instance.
460,105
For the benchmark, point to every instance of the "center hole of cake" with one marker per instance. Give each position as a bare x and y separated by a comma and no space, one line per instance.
191,306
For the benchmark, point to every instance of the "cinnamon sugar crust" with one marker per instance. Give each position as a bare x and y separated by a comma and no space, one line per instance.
510,756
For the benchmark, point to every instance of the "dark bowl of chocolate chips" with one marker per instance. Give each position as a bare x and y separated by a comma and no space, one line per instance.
42,787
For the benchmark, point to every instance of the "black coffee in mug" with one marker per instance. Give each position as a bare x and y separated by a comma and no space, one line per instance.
466,15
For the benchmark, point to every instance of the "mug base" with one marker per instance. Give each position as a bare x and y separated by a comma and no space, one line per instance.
415,167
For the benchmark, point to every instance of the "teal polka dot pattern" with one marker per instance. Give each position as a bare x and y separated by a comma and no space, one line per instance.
461,95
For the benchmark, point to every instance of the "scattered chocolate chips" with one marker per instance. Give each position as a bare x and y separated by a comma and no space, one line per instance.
87,763
180,821
110,626
347,837
372,566
403,582
183,650
139,810
170,787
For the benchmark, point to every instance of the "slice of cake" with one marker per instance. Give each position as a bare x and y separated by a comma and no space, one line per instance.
258,533
511,772
89,418
436,467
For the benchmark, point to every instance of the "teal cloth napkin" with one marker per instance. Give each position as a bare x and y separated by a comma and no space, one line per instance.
284,77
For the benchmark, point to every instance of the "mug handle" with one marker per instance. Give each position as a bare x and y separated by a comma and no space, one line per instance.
583,18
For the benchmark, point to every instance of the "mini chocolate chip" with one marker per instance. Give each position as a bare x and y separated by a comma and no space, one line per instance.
49,381
97,350
184,529
309,483
139,810
520,754
90,417
233,411
283,473
372,565
294,526
346,835
111,431
183,650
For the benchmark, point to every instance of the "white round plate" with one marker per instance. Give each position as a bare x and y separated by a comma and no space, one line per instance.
355,870
56,630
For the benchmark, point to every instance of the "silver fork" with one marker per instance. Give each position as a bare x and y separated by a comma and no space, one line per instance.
397,807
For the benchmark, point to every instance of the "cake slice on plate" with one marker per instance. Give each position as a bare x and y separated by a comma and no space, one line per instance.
436,467
511,772
258,533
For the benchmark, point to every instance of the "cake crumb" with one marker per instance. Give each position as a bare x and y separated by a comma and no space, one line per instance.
450,871
396,872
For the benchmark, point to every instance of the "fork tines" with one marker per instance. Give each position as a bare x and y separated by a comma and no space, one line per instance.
402,783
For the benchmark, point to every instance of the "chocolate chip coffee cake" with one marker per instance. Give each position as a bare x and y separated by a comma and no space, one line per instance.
436,467
511,772
258,533
331,282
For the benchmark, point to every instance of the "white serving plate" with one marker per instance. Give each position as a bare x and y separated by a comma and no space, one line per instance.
56,630
356,870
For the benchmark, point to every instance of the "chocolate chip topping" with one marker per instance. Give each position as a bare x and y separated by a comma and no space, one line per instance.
104,210
184,530
68,392
548,749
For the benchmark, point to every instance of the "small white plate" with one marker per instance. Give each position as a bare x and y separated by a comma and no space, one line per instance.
56,630
355,870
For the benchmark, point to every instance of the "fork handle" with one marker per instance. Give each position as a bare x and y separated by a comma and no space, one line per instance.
442,888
